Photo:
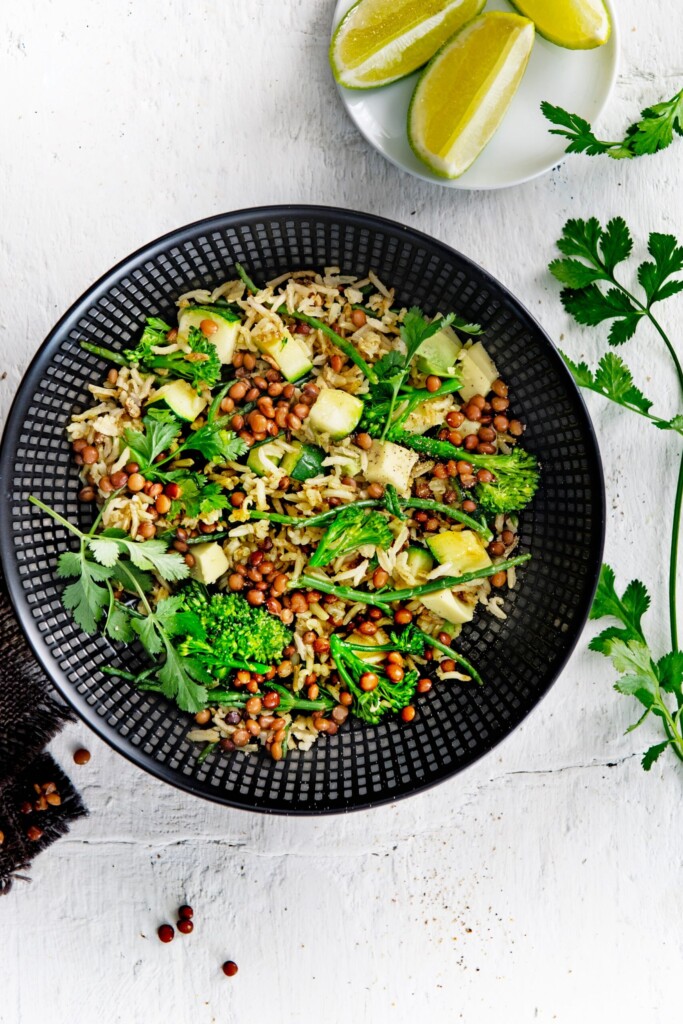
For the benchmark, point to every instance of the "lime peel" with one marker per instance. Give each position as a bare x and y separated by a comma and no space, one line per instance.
380,41
465,90
572,24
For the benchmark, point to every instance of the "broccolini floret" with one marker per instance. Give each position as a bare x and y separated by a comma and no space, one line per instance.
200,365
352,528
516,475
372,705
225,632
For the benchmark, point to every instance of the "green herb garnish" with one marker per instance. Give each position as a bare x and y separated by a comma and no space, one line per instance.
200,366
591,254
653,132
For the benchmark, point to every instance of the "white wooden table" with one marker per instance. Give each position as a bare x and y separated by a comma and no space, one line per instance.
542,884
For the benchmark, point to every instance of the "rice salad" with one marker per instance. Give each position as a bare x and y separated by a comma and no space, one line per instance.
302,493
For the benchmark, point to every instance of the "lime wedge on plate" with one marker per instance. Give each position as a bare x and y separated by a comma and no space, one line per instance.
574,24
463,93
380,41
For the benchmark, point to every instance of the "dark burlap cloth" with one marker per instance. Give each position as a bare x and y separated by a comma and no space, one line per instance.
29,717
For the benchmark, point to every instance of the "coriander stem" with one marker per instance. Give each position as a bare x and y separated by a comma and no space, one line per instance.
55,515
673,558
672,352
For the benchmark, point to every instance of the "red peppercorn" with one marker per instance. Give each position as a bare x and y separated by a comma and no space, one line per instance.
165,932
185,925
186,911
230,968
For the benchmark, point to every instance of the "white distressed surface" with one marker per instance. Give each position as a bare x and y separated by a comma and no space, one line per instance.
542,884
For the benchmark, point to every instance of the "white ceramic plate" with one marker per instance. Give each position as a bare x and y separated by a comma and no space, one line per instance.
522,148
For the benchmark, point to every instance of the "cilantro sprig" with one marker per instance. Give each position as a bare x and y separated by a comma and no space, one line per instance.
657,685
613,380
159,445
109,560
653,132
594,295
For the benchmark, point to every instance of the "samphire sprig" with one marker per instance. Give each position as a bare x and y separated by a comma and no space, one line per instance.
593,295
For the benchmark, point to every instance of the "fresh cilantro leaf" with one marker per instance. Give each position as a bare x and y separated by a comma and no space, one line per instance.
641,677
415,329
214,442
651,755
590,306
69,563
153,554
656,128
643,688
150,637
465,326
118,625
86,598
582,374
616,243
613,379
675,423
105,550
631,656
198,497
181,680
574,128
131,578
635,601
628,610
668,260
654,131
166,613
389,365
157,436
581,238
670,672
575,274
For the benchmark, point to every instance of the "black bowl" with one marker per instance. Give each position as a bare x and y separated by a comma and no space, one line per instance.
519,658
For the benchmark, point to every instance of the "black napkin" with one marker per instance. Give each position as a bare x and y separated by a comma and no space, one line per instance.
30,715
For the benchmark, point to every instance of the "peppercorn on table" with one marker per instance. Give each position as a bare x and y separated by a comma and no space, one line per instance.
541,883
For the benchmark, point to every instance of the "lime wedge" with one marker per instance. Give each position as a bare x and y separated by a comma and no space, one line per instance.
380,41
463,93
574,24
